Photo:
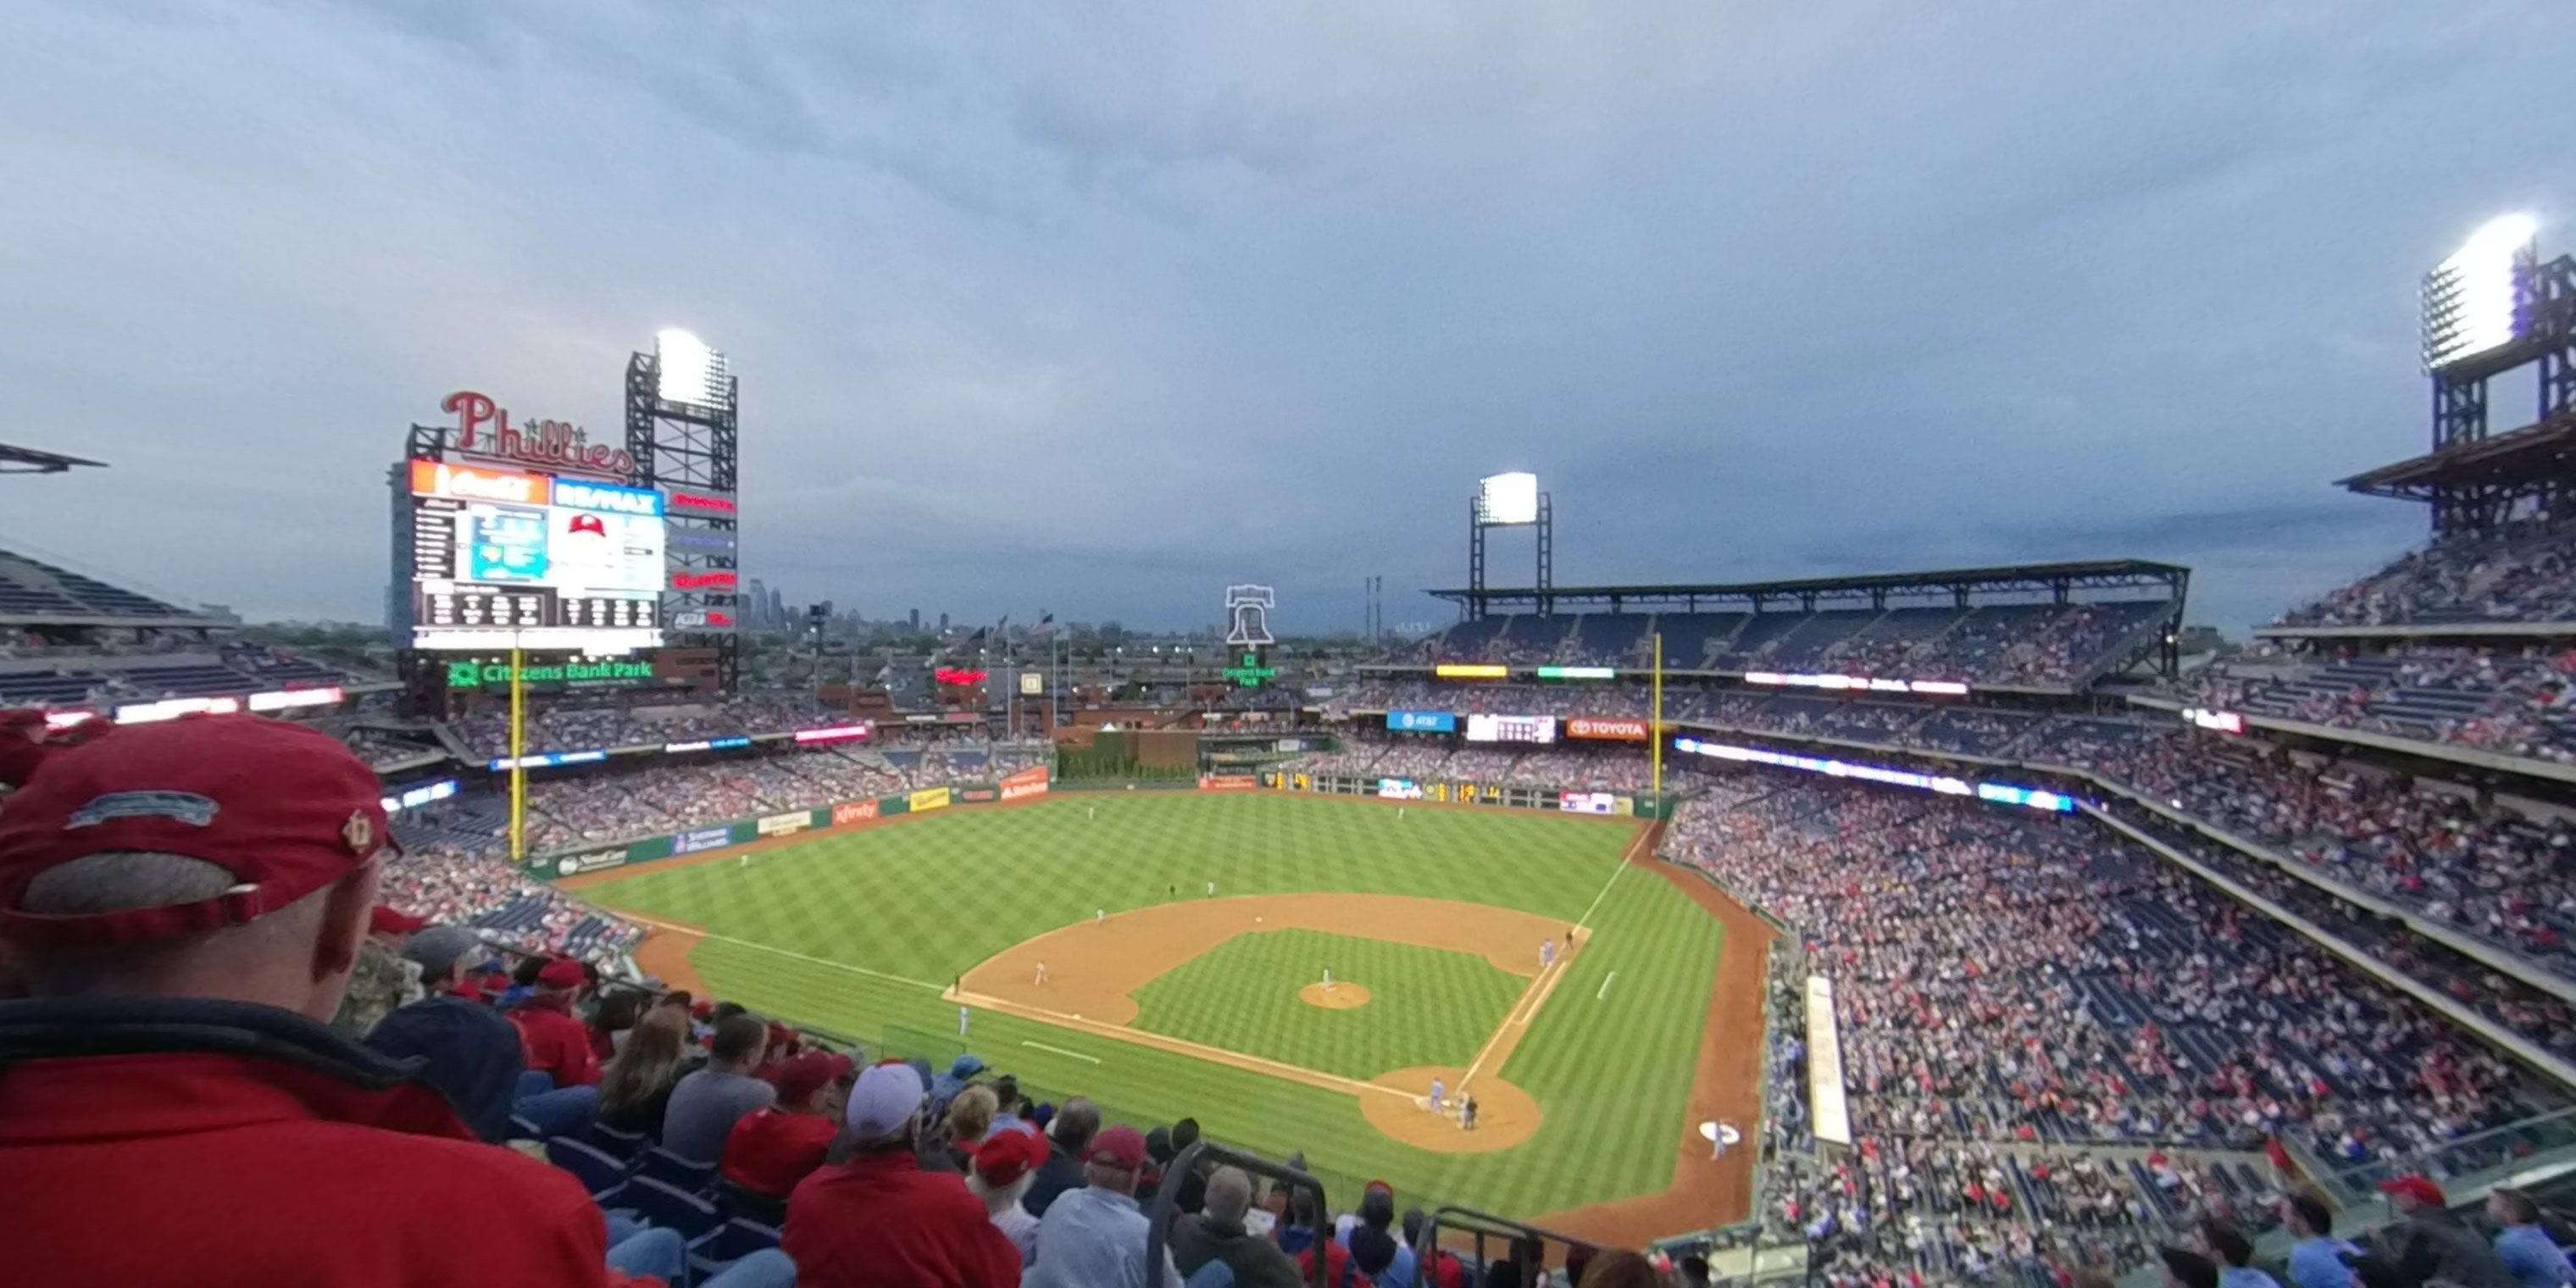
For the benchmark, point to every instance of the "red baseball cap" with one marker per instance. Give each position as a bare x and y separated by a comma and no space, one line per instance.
1007,1155
809,1073
2421,1189
1118,1147
389,920
286,809
562,972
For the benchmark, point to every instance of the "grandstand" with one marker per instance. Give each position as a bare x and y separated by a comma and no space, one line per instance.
2051,628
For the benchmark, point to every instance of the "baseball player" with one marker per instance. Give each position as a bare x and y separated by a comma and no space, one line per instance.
1546,953
1211,889
1467,1115
1439,1096
1042,972
1328,979
1100,918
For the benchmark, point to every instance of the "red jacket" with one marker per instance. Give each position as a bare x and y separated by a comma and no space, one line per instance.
238,1146
556,1043
879,1221
770,1151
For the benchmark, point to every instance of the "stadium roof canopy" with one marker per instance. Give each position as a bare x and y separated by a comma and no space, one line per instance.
27,460
2532,454
2056,580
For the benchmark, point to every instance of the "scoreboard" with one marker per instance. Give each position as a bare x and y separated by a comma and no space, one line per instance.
1511,728
501,556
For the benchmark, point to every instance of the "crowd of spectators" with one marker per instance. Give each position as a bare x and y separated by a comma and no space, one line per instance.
2036,645
2033,978
2492,871
2512,701
2015,993
2536,1016
2521,574
1606,768
573,722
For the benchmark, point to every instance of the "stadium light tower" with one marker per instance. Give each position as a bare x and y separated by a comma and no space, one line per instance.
1509,501
683,427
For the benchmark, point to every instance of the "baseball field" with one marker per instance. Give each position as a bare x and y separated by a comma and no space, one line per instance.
1165,954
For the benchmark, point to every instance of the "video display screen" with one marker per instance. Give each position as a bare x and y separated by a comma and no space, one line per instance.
502,556
1511,728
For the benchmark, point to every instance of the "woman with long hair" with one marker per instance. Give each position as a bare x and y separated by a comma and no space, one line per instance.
637,1085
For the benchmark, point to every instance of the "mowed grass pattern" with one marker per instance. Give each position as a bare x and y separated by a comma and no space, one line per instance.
1426,1006
856,932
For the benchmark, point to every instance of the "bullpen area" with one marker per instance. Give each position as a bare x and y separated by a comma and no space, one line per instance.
1295,972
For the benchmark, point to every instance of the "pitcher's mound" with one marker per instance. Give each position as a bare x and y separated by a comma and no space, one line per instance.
1505,1114
1342,996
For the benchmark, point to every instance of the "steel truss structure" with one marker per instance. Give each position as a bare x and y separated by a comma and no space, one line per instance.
2476,481
691,445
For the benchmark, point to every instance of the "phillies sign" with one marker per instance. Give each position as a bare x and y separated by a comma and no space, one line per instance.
953,675
717,580
1613,730
483,428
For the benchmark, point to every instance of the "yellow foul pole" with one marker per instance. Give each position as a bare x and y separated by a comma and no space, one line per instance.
1655,723
518,753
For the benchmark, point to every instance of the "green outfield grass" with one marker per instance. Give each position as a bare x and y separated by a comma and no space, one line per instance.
857,932
1425,1006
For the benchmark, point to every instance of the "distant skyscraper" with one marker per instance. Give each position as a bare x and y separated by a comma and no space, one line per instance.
777,606
943,623
916,619
756,605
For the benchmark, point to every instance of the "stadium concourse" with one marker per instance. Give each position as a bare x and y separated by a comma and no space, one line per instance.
2252,965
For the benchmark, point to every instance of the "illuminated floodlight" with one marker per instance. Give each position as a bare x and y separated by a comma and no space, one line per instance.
1507,500
2471,299
690,372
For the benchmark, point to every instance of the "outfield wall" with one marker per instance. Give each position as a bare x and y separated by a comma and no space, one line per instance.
575,860
1646,805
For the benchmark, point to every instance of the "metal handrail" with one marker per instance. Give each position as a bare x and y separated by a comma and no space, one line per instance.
1166,1201
1484,1225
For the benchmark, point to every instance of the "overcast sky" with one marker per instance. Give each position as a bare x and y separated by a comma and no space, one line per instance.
1096,309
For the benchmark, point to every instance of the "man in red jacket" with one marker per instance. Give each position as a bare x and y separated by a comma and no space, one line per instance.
184,901
773,1149
878,1220
565,1102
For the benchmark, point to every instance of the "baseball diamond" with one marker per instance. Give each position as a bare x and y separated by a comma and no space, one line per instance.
1192,1004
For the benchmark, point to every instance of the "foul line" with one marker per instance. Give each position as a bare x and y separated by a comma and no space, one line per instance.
1535,996
1624,865
678,929
1059,1051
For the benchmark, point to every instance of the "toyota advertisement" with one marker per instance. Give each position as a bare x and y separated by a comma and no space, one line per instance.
1608,729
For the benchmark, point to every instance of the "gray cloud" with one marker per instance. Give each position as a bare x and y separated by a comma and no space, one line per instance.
1041,307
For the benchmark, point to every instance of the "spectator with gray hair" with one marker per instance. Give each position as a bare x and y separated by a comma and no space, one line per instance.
1217,1233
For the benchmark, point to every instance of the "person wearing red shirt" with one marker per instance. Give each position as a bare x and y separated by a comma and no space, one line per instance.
565,1101
772,1149
183,902
557,1044
878,1220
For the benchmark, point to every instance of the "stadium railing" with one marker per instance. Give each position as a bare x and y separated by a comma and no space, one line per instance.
1477,1227
1167,1199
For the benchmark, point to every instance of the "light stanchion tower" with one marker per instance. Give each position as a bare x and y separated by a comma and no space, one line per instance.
683,429
1510,501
